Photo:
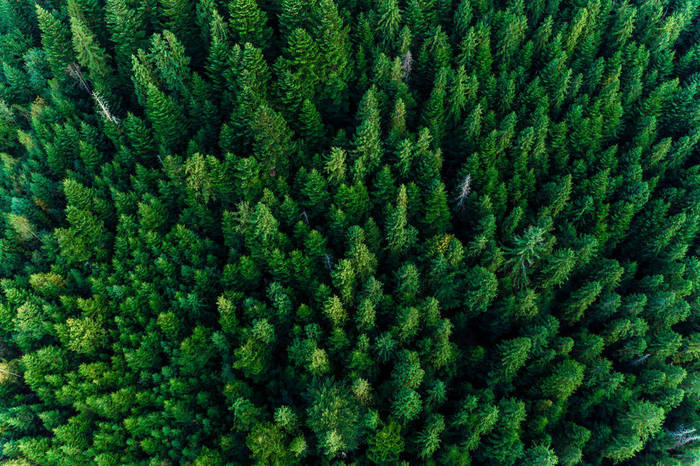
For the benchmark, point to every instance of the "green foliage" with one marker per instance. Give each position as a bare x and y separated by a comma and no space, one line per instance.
386,445
55,39
318,232
248,22
334,417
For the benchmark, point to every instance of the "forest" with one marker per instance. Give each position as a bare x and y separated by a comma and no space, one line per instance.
350,232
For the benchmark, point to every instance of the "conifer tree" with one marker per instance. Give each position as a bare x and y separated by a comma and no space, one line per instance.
165,116
389,21
55,39
317,232
248,23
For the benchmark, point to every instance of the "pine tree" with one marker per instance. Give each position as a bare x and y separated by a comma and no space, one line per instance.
334,44
525,252
55,39
437,216
312,125
512,356
166,116
399,234
435,112
429,438
387,444
90,54
389,21
503,443
293,14
249,23
367,143
126,32
273,142
303,57
334,417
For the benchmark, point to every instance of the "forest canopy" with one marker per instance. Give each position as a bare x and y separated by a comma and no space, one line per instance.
454,232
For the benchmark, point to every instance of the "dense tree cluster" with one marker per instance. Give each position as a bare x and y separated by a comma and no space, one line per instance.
361,232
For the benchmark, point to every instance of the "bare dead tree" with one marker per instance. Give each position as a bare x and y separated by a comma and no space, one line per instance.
682,436
23,227
682,431
329,262
74,71
407,64
640,360
305,216
10,373
684,441
464,190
